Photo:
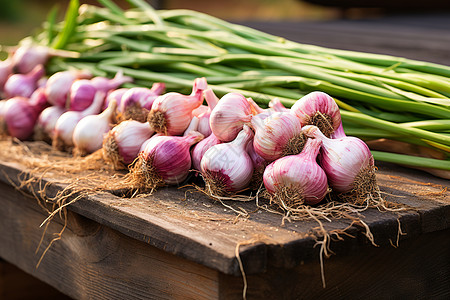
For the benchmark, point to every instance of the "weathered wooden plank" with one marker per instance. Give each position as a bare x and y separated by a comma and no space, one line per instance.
15,284
197,228
418,269
95,261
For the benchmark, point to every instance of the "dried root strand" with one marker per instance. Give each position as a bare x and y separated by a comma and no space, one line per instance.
40,135
134,112
323,121
110,151
143,176
287,198
158,121
366,192
295,145
215,184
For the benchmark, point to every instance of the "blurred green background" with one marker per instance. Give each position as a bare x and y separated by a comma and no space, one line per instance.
19,18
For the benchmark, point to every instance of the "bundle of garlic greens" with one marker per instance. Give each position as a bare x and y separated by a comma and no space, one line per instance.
379,96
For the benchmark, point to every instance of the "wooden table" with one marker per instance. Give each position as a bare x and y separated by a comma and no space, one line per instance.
181,245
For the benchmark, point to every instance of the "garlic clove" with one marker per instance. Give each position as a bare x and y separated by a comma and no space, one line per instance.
28,56
63,133
43,130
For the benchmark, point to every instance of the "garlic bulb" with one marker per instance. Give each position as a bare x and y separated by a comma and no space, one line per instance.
28,56
63,133
198,151
45,125
20,115
114,95
138,101
229,116
171,113
164,160
203,125
58,86
297,179
23,85
87,140
319,109
5,72
349,165
227,168
278,135
122,143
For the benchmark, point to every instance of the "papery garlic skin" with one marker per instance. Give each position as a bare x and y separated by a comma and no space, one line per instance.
20,115
66,124
319,109
229,116
198,151
297,179
138,101
169,156
23,85
276,105
255,107
278,135
116,95
203,126
339,132
46,123
126,139
342,159
5,72
28,56
89,133
171,113
81,94
227,168
58,86
104,84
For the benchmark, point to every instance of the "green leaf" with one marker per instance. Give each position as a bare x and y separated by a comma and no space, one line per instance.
70,23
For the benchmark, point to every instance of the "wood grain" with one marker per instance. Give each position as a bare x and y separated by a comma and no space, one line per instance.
418,269
15,284
93,261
